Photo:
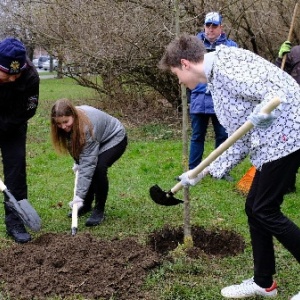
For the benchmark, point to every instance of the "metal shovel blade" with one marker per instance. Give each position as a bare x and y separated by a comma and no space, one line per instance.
24,210
163,198
73,231
34,221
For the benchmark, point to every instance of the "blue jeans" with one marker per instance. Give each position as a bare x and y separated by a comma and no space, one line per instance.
199,129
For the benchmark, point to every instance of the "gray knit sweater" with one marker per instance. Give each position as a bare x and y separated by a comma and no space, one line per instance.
107,133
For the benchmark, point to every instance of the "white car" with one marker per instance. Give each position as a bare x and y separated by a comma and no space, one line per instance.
46,64
35,62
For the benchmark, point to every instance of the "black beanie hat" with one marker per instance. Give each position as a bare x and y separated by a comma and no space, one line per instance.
12,56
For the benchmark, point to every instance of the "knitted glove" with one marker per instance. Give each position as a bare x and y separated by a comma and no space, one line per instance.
76,200
261,120
284,48
185,180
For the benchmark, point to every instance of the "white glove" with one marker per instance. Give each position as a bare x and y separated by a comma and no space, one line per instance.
76,200
261,120
75,167
185,180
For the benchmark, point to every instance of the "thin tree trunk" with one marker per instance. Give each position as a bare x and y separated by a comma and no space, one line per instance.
188,241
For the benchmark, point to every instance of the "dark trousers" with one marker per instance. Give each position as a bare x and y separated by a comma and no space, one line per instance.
199,129
100,185
265,217
13,151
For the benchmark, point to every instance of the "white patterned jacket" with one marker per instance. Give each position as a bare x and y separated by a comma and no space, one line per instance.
239,80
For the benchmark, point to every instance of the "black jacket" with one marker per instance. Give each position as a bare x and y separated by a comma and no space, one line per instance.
19,100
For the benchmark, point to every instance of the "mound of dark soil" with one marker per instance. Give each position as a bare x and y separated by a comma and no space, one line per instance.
57,264
220,243
65,265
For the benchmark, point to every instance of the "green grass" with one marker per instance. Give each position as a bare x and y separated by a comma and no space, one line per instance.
154,155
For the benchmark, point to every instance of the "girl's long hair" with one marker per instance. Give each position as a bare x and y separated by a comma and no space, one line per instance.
65,142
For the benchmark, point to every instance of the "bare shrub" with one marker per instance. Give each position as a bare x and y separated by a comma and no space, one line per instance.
114,46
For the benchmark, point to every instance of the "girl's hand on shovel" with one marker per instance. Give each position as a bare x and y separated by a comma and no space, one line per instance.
76,200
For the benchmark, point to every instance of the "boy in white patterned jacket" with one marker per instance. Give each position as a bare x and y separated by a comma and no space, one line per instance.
241,82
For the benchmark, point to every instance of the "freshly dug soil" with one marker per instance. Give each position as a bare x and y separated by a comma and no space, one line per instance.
219,243
58,264
65,265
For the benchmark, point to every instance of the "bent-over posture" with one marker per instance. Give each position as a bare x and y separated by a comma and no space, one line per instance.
95,140
241,83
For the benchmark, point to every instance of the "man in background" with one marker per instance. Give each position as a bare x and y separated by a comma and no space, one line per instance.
201,103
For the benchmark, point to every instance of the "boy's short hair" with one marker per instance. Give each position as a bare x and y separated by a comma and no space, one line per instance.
187,47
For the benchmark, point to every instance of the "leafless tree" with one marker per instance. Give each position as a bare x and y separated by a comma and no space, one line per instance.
122,40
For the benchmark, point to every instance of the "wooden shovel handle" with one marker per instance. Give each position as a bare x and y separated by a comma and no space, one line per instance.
75,206
246,127
74,216
290,33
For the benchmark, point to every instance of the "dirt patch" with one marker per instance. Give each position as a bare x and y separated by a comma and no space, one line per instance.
63,265
220,243
57,264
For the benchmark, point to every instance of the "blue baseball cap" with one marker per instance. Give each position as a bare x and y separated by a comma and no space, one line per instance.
12,56
213,18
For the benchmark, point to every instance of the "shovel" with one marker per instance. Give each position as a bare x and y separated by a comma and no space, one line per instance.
22,208
74,224
290,34
168,199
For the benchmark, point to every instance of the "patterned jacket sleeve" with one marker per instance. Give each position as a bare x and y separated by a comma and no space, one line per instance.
230,158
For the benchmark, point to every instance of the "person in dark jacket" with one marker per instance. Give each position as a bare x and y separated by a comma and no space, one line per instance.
292,63
292,67
19,93
95,140
201,103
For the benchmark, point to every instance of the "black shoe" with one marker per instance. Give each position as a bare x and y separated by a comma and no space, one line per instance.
18,233
96,218
81,211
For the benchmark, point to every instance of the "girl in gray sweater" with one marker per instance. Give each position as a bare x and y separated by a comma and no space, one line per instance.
95,140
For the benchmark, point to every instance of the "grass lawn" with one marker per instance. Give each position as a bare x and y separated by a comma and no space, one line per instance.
150,159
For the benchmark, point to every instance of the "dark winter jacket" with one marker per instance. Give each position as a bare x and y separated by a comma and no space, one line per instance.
200,98
18,100
292,63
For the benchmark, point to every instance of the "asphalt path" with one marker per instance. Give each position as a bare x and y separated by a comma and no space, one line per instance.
43,75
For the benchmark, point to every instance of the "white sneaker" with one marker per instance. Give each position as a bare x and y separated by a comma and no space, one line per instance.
296,297
248,288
